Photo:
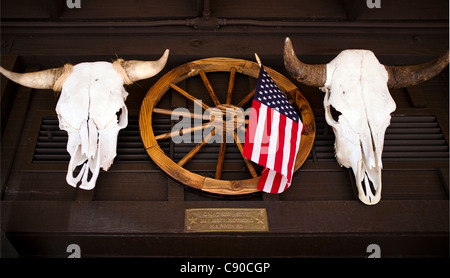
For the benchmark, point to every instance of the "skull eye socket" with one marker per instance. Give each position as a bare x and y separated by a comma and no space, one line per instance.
334,113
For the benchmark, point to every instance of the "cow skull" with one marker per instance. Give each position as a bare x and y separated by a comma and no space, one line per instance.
91,108
357,86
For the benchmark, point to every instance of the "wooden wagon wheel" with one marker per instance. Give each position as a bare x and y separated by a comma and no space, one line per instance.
175,169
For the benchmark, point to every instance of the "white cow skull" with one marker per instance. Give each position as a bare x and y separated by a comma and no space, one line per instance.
91,108
356,85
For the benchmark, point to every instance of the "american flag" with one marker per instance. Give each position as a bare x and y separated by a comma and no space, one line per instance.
273,135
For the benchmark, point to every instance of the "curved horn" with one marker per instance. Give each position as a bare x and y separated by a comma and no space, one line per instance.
138,70
404,76
312,75
45,79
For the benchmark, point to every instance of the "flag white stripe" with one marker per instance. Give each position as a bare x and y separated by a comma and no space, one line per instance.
287,147
259,133
273,144
269,180
283,184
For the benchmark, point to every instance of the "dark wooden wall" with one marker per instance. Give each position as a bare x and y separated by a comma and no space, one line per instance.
136,210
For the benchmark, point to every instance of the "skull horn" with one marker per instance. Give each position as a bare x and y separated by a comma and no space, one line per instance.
138,70
312,75
404,76
45,79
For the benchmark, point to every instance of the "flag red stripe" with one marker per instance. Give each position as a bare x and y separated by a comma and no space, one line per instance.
276,183
263,180
293,143
251,130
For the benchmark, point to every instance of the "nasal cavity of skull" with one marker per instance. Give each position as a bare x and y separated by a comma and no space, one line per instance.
368,184
77,170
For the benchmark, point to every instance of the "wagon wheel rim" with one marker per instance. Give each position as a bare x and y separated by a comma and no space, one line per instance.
202,67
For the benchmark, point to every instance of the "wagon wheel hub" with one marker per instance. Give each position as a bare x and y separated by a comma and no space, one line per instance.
227,118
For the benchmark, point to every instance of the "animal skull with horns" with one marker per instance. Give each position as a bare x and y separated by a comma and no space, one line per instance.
91,108
357,85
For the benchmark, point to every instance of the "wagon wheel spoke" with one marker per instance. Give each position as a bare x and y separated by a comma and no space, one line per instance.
180,113
219,166
249,164
196,149
230,85
188,96
182,131
216,101
223,145
209,87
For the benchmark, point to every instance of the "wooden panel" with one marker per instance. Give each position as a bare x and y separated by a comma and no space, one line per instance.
413,184
126,186
297,229
285,9
114,217
242,46
330,185
39,186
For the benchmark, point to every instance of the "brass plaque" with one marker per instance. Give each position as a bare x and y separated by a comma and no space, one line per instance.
226,220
